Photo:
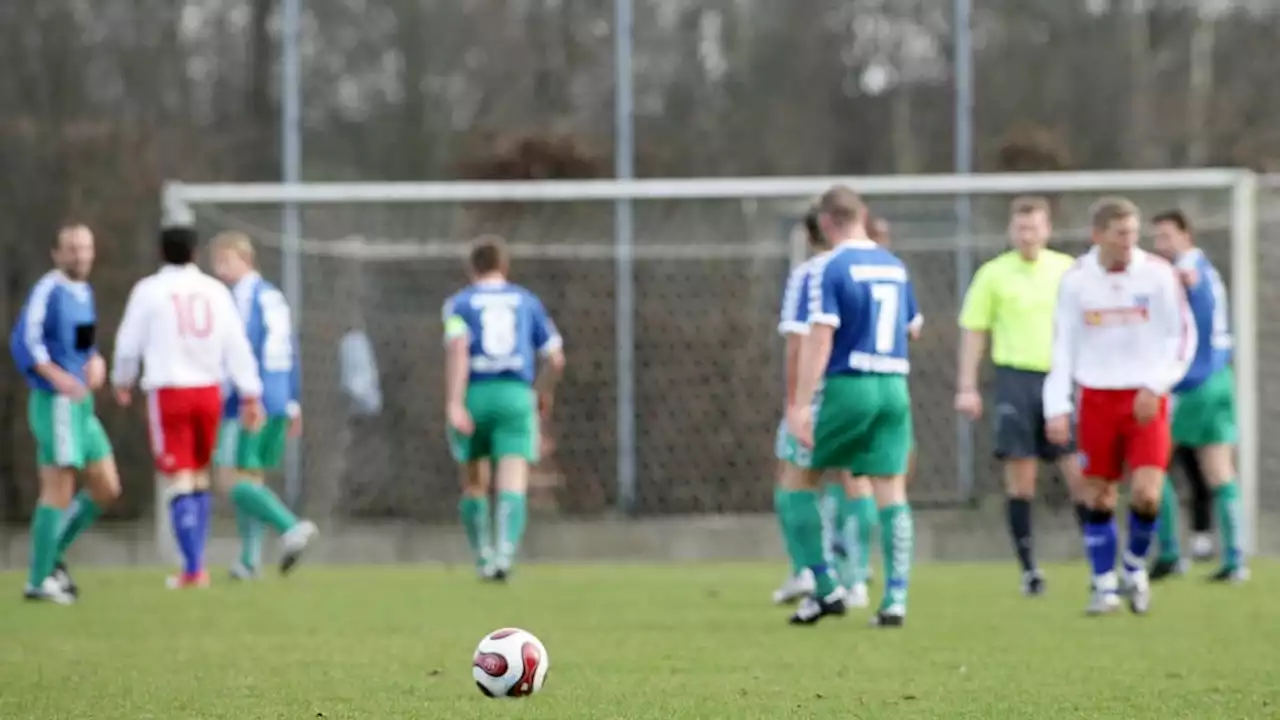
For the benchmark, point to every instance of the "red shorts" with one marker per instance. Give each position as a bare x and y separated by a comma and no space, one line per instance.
184,426
1111,440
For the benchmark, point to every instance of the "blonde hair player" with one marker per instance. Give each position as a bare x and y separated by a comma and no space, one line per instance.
246,454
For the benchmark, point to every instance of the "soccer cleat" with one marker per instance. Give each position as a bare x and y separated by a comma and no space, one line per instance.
1136,589
1033,583
857,596
1202,549
1230,576
184,581
894,616
812,609
1165,568
240,571
295,543
64,580
49,591
796,587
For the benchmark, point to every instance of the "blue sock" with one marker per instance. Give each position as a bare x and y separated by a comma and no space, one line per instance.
184,514
204,513
1142,528
1100,543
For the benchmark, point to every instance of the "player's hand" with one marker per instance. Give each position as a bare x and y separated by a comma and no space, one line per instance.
1189,276
969,404
295,426
251,414
800,424
1145,406
546,444
1057,430
124,396
70,386
460,419
95,372
545,402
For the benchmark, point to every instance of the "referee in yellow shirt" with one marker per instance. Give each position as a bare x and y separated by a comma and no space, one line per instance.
1012,299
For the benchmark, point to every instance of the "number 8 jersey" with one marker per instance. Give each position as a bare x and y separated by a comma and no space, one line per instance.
865,293
507,328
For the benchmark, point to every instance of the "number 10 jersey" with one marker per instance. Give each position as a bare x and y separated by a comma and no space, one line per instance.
506,327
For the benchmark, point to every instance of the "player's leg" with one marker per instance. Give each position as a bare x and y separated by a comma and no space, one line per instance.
1099,436
1202,545
831,506
1184,427
172,430
790,478
860,520
227,476
102,488
1147,451
262,451
514,448
57,457
883,454
1215,457
472,453
1017,446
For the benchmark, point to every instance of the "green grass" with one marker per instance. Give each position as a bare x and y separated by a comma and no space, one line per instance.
669,642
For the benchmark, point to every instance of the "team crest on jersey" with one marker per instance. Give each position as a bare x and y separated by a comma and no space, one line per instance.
1142,302
1115,317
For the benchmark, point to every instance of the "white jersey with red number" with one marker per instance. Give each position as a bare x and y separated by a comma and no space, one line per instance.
1119,330
183,327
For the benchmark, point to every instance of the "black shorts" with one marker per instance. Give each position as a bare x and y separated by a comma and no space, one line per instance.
1019,417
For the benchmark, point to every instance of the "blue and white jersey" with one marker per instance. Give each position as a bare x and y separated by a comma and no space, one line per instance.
1207,297
269,326
58,324
865,293
507,329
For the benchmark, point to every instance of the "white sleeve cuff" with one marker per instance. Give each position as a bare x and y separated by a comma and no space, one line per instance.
553,343
830,319
793,327
293,409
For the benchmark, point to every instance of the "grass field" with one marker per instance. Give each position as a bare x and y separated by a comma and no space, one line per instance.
669,642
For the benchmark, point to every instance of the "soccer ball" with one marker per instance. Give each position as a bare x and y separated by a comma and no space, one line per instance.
510,663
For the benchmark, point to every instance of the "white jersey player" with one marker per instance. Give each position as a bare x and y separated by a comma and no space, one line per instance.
182,330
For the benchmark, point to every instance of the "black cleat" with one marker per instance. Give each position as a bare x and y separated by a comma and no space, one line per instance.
1230,575
1165,568
812,609
1033,584
500,575
883,619
62,576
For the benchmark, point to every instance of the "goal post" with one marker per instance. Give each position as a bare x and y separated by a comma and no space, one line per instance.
712,228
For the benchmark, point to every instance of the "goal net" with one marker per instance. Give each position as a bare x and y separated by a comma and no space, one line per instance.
707,259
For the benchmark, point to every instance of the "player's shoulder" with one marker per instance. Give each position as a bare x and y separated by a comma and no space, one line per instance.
47,284
1059,259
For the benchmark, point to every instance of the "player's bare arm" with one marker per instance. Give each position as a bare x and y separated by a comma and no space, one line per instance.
551,369
815,352
456,375
973,345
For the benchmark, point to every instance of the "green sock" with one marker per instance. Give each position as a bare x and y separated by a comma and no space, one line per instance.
260,503
475,520
82,513
805,520
1167,525
250,530
859,525
897,540
513,515
832,507
1226,500
44,543
780,498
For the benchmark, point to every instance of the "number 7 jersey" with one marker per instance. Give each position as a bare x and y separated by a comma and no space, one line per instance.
865,293
506,327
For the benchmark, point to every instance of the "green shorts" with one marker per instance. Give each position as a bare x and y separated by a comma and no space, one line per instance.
505,414
67,432
1206,415
862,423
247,450
788,449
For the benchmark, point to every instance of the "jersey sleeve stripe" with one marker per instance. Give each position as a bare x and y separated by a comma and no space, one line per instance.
37,311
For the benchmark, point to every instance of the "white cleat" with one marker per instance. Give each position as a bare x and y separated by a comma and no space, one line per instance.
1105,598
49,591
796,587
1137,590
1202,549
857,596
240,571
295,543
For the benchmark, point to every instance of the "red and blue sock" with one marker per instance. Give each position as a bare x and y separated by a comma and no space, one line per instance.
1142,528
1100,542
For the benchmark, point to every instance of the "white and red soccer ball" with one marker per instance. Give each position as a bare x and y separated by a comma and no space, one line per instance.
510,663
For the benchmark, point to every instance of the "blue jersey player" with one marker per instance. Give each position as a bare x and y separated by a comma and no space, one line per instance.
495,333
54,347
852,406
1204,415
